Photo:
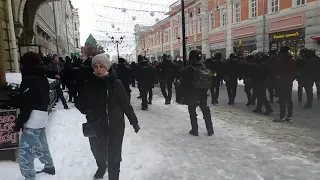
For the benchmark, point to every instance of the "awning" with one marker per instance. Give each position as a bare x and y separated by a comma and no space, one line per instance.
316,38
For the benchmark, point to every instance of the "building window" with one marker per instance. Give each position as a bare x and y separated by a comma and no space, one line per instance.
223,16
274,5
199,27
301,2
237,12
253,8
192,26
212,20
75,27
77,42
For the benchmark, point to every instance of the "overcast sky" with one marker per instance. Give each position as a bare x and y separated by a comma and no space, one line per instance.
102,21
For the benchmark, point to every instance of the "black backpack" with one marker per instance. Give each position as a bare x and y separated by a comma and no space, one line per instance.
202,78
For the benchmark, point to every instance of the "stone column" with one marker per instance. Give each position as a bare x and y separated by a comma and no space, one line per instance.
205,27
312,25
229,48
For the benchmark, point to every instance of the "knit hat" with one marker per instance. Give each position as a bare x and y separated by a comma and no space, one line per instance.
103,59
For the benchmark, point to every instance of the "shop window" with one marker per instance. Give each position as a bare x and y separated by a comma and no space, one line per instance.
274,5
237,12
300,2
223,16
253,8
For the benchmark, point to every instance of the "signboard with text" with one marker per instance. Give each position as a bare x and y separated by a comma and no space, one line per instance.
292,34
8,138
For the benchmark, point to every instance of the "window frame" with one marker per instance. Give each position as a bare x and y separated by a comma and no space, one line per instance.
223,17
251,7
212,21
235,12
295,3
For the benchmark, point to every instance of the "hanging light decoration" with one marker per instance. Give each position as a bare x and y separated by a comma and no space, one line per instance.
112,25
118,29
157,19
134,18
124,10
151,13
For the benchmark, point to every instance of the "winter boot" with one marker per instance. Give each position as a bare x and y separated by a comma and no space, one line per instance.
259,111
279,120
194,132
102,169
150,101
268,112
289,119
167,102
114,171
51,171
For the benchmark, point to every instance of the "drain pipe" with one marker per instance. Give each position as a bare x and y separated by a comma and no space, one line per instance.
13,38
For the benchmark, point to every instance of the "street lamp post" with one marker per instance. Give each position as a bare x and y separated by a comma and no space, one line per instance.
117,42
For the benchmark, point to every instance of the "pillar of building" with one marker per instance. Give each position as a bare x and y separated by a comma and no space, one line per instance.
229,48
205,27
312,28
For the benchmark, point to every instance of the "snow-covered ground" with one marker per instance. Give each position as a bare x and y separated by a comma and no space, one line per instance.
163,149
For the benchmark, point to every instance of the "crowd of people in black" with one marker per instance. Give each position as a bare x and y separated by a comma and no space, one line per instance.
102,91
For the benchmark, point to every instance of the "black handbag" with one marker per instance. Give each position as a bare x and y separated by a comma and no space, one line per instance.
91,129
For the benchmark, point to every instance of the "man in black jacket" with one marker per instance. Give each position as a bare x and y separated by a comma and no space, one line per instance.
167,71
260,80
55,72
145,75
193,96
215,65
124,74
231,77
104,101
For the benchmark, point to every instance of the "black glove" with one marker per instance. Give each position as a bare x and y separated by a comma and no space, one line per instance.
136,128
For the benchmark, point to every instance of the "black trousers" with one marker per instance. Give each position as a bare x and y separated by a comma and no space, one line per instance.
271,89
192,106
260,90
232,85
164,86
144,91
248,87
127,88
308,86
60,95
285,98
300,91
215,91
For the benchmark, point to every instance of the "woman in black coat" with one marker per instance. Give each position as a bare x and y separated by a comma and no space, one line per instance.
104,100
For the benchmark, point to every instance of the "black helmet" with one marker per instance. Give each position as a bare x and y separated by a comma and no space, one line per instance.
166,57
217,55
195,55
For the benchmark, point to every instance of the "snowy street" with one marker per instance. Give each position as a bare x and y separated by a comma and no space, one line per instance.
246,146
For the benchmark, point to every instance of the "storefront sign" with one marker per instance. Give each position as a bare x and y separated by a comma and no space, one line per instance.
244,41
281,36
8,138
293,34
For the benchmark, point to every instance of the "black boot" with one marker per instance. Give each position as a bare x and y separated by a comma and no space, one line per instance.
51,171
114,171
102,169
194,132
